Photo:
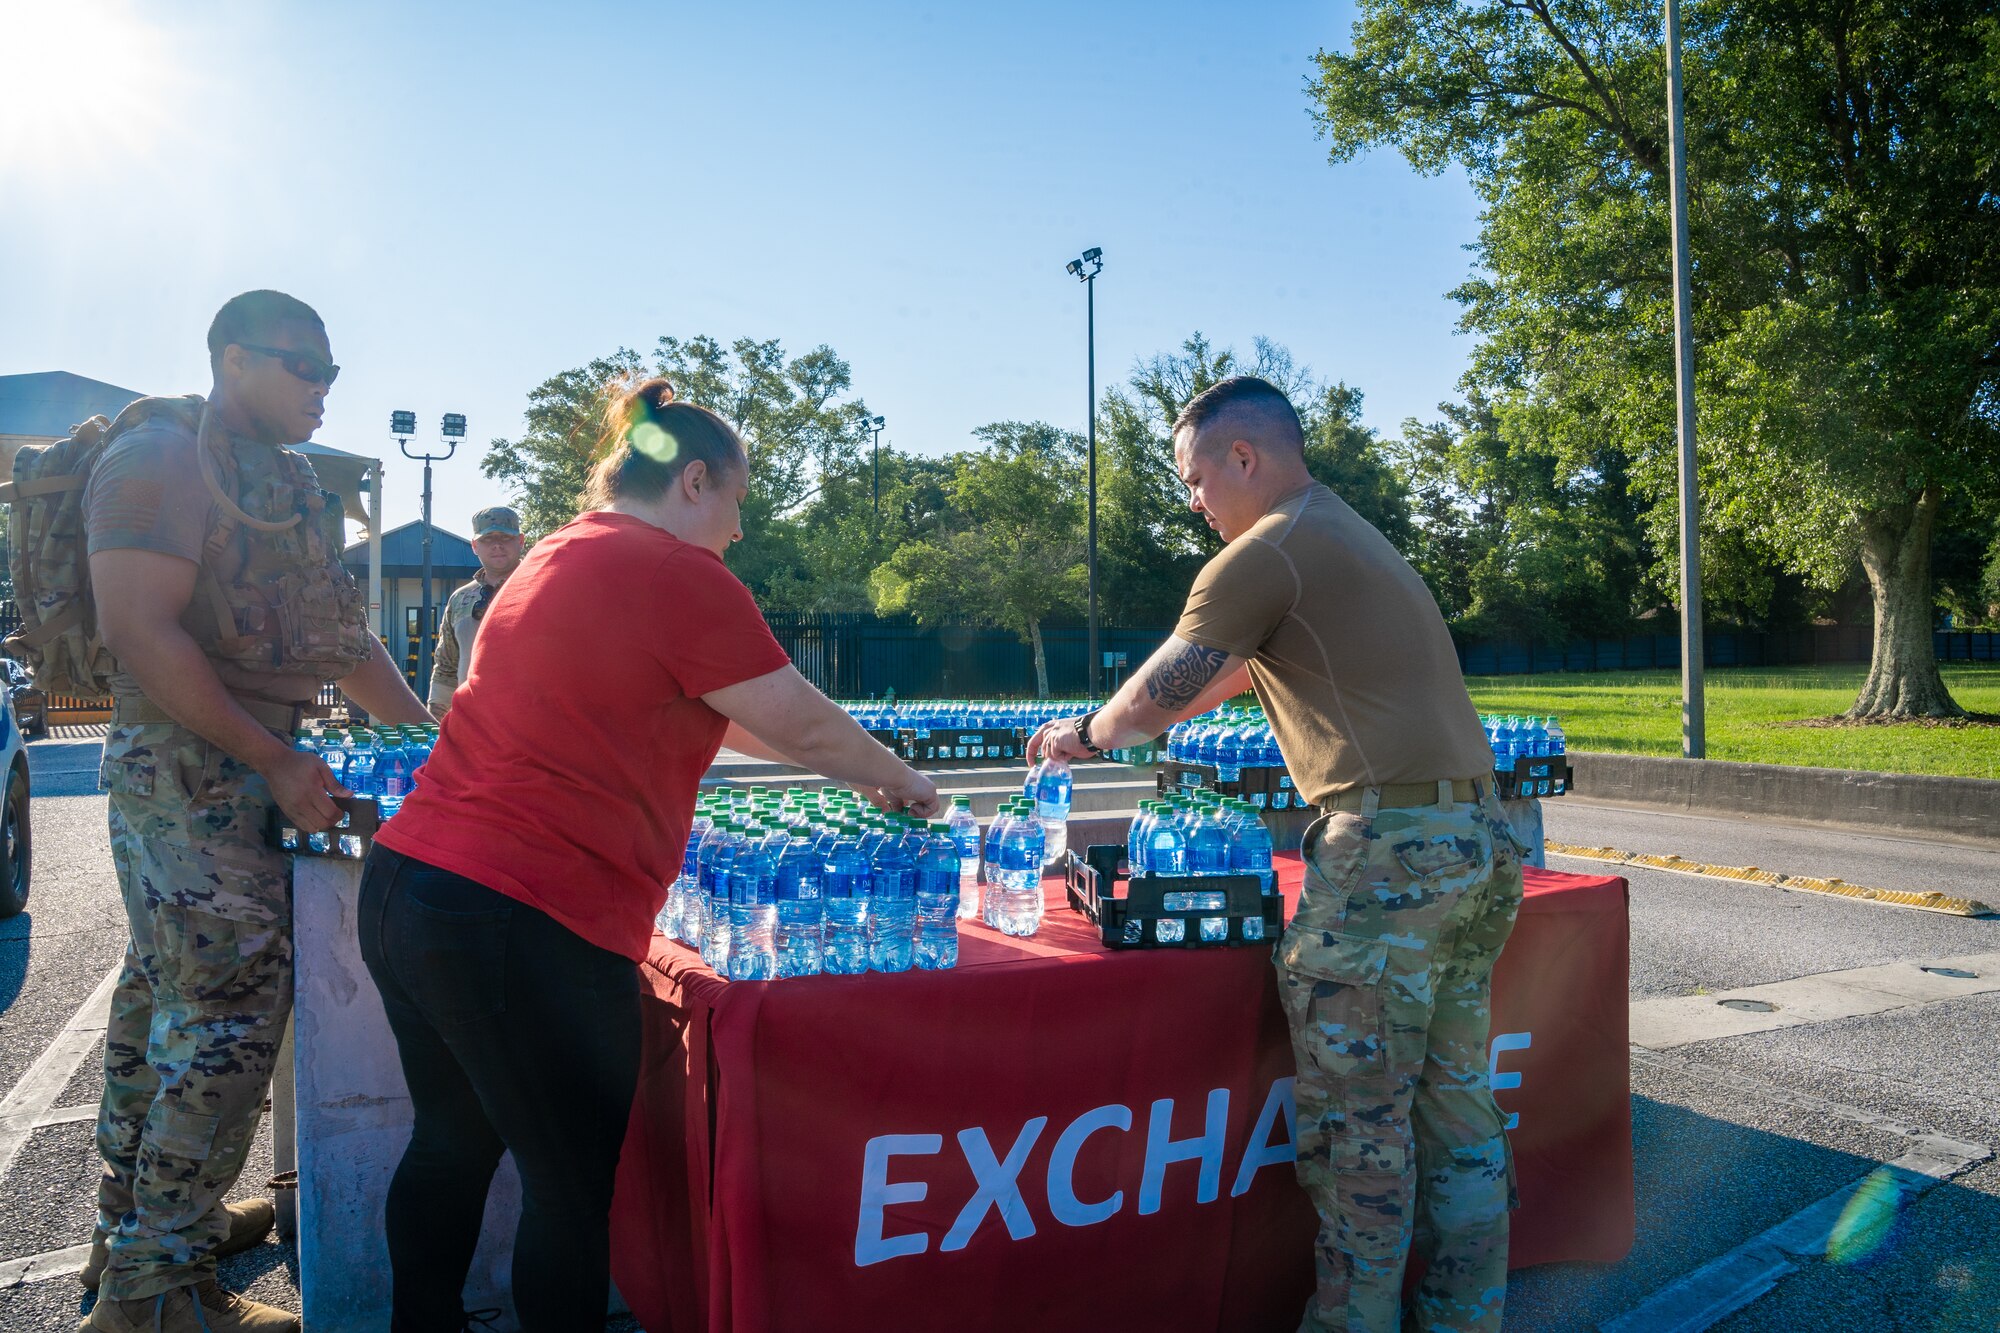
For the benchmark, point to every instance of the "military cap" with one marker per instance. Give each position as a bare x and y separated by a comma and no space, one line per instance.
498,518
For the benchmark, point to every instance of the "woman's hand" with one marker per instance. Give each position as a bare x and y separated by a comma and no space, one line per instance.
916,795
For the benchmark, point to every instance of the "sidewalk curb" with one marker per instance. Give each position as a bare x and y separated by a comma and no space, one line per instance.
1899,803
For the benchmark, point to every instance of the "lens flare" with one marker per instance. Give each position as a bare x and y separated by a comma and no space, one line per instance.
81,81
655,442
1868,1219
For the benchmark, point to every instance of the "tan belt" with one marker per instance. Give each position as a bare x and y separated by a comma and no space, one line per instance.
1400,796
137,712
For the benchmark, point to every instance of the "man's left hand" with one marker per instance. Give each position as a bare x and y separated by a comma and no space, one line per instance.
1057,740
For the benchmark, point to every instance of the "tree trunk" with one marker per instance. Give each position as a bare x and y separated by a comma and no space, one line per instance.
1041,660
1903,679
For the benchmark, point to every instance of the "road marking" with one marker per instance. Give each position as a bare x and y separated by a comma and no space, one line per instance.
32,1098
1927,902
1675,1020
39,1267
1848,1216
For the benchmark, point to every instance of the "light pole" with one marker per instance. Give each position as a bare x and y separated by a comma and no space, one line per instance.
1085,270
1694,725
403,425
875,424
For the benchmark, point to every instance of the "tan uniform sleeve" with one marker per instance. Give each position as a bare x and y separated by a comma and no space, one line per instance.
444,659
1239,598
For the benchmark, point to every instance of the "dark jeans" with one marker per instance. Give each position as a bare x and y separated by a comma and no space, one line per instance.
518,1035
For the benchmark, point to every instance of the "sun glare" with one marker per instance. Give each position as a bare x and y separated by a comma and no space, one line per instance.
81,82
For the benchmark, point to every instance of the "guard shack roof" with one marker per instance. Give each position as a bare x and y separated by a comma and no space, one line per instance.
47,405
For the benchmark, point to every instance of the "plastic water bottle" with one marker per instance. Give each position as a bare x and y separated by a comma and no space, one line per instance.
989,866
362,756
1166,846
964,826
938,888
1019,910
846,892
892,904
676,906
1558,747
716,931
801,906
753,905
1135,839
1229,759
1207,846
1049,787
392,775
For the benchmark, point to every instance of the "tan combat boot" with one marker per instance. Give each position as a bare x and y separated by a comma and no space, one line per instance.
249,1222
202,1308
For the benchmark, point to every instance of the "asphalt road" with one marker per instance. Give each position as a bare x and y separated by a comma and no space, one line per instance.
1733,1135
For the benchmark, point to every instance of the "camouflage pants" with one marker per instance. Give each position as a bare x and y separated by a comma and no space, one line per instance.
201,1002
1386,976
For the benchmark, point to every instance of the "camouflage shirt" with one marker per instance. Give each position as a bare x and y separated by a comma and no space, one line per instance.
452,658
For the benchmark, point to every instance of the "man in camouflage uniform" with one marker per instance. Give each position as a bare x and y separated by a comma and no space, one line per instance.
214,562
496,540
1412,874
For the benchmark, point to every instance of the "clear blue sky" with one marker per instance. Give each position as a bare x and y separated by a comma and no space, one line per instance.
478,196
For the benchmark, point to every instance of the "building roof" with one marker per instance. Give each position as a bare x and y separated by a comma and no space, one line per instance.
48,404
452,556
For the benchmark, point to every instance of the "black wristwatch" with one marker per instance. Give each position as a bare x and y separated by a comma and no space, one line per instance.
1082,729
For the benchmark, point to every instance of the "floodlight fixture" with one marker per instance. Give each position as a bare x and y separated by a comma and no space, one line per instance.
403,423
1092,255
454,426
1074,268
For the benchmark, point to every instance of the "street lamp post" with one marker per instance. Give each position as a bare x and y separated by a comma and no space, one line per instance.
875,425
1085,270
403,425
1694,726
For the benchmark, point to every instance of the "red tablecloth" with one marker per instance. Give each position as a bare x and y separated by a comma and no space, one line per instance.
1058,1135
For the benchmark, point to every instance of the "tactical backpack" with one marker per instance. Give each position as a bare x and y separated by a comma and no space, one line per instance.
47,554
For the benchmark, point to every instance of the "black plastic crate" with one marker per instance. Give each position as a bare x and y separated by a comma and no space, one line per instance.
954,745
896,742
1541,777
1246,915
1268,787
349,840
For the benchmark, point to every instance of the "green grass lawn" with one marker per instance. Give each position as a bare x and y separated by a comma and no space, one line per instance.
1639,712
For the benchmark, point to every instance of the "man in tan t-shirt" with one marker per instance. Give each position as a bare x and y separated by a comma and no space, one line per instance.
1412,876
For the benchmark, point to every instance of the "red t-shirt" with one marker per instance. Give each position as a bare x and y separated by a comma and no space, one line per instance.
566,773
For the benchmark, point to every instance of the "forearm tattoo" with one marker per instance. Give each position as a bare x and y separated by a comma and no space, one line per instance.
1177,681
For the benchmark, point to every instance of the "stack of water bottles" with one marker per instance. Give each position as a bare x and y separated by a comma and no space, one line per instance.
924,716
795,883
380,762
1233,739
1538,739
1199,834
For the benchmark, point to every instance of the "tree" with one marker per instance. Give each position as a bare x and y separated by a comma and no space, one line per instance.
837,540
546,468
1845,211
793,413
1150,544
1013,553
1515,540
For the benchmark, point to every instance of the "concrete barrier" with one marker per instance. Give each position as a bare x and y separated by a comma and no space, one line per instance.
1903,803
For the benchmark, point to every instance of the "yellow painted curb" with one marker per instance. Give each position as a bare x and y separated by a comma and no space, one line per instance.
1929,902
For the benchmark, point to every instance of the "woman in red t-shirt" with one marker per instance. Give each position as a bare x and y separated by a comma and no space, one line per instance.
504,911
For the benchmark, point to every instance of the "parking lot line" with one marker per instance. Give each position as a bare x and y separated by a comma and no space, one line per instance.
23,1108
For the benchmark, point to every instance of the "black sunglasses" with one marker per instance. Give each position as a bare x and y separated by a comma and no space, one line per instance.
302,364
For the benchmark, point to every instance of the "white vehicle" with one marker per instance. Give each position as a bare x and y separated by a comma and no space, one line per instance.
16,858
